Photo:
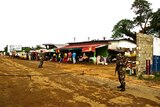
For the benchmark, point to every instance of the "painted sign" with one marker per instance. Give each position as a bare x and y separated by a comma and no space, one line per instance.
14,48
88,49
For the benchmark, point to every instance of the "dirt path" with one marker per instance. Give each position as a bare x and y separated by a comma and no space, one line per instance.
22,84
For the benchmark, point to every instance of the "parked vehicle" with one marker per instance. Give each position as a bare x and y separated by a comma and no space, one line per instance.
22,55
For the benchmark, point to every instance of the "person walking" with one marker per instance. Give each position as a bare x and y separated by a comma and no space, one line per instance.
41,58
121,68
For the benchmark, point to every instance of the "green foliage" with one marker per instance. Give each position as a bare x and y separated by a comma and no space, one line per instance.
26,49
38,47
6,49
157,76
155,23
124,26
148,21
143,13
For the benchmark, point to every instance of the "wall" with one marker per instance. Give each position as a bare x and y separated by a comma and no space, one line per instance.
156,55
156,46
126,44
103,51
156,64
144,50
113,45
116,45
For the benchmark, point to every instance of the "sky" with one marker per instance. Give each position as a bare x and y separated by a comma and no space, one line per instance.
34,22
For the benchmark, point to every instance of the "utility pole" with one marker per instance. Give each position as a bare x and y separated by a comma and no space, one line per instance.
88,38
74,39
104,38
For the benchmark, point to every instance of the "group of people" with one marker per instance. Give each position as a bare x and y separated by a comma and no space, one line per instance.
121,64
65,57
58,57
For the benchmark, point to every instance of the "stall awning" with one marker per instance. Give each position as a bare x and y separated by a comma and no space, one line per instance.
84,47
51,50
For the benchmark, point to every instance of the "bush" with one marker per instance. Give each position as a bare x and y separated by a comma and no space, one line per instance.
157,76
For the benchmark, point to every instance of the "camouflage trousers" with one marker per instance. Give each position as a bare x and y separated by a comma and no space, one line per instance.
121,75
40,63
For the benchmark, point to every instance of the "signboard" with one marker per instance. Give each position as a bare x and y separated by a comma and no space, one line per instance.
14,48
88,49
156,46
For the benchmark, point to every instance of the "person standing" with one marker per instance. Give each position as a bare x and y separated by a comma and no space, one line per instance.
36,56
74,57
121,68
54,57
59,57
65,58
98,59
69,56
29,56
41,58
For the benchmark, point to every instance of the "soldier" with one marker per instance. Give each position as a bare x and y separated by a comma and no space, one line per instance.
41,57
120,68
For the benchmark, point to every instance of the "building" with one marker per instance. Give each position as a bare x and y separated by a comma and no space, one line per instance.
103,48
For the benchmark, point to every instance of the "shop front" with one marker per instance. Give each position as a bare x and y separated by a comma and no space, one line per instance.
87,52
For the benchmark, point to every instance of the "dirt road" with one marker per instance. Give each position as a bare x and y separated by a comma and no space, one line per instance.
22,84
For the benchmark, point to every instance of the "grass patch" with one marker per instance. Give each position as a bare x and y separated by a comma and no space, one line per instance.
154,77
157,76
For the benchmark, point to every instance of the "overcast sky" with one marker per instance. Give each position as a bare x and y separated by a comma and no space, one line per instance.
31,22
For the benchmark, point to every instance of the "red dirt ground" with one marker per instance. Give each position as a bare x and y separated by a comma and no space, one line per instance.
23,84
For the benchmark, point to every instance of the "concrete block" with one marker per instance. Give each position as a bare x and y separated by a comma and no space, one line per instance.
148,76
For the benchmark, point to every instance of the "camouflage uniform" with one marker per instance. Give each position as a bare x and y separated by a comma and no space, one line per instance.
41,57
120,67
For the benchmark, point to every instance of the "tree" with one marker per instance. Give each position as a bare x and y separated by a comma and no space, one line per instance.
144,18
6,49
155,23
26,49
38,47
124,27
143,13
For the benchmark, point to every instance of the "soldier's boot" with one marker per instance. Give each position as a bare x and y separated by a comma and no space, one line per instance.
119,86
39,66
123,88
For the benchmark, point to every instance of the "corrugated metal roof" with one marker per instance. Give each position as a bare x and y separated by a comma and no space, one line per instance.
82,46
